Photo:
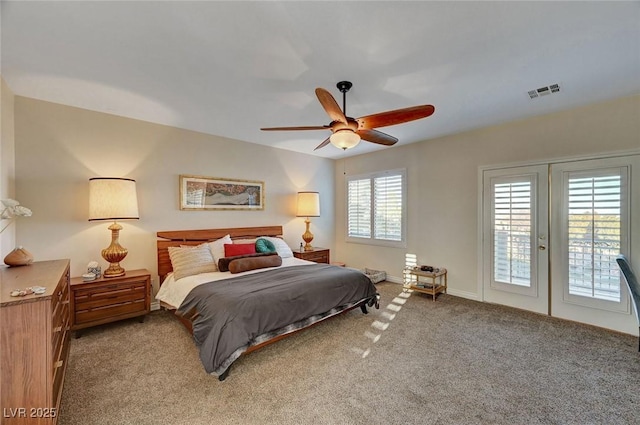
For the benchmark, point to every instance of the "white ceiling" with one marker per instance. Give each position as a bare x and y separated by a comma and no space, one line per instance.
229,68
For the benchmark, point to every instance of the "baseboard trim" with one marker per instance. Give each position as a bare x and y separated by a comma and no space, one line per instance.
451,291
463,294
155,305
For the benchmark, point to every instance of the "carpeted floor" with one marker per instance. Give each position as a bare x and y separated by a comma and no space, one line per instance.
413,361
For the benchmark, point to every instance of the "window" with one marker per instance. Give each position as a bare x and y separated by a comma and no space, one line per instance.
594,233
376,208
512,228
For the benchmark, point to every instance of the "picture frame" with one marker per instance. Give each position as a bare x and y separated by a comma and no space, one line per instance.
216,193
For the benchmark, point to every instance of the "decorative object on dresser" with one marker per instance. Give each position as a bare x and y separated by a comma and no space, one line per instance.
113,198
34,342
308,206
18,257
105,300
11,209
319,255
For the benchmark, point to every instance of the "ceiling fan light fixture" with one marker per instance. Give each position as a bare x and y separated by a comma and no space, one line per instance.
344,139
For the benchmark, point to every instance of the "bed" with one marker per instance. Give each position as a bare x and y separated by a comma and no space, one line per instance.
232,313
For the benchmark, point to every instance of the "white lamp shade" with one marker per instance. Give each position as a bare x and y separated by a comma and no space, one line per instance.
308,204
344,139
112,198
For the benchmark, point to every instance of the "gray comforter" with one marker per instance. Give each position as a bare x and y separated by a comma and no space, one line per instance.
236,313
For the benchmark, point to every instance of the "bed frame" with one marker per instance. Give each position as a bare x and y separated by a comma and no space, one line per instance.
196,237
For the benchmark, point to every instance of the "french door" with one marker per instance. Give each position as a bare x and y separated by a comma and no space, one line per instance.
551,234
515,271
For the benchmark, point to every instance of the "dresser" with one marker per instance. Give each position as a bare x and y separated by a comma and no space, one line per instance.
34,342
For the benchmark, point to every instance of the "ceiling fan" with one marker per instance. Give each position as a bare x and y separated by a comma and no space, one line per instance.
346,132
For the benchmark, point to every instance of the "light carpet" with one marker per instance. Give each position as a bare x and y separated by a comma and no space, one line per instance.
413,361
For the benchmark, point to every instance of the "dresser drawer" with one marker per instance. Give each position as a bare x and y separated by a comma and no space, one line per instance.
59,368
60,316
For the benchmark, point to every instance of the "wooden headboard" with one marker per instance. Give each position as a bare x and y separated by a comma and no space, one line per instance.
196,237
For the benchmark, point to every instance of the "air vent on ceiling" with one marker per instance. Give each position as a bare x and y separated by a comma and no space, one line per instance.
543,91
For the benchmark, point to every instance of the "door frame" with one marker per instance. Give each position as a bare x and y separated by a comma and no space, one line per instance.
535,297
549,161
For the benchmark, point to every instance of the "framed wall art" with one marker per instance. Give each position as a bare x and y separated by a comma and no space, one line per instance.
216,193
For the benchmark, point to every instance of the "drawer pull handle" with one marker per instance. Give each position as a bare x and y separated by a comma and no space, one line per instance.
58,364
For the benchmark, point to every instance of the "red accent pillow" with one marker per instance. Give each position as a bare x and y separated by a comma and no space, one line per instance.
231,250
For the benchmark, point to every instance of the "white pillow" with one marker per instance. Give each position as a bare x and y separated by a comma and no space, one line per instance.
217,248
282,248
191,260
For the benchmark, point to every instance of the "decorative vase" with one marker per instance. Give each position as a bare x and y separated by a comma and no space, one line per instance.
18,257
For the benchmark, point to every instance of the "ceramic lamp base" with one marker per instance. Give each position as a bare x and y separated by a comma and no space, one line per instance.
307,237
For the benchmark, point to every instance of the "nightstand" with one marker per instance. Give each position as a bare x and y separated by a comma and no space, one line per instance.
319,255
106,300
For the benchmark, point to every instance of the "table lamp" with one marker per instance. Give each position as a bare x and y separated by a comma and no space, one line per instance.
308,206
113,198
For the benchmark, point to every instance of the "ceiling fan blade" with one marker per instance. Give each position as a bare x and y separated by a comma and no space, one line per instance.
376,136
330,105
312,127
397,116
323,144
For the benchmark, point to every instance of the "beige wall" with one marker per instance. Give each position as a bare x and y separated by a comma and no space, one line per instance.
443,182
7,160
58,148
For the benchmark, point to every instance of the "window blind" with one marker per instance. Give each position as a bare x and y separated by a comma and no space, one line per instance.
376,207
387,206
594,236
359,208
512,224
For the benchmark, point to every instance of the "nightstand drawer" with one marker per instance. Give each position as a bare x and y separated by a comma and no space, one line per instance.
110,311
319,255
109,295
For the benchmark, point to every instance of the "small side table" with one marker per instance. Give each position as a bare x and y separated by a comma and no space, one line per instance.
107,300
319,255
436,281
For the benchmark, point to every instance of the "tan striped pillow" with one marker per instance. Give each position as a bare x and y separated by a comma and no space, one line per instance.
191,260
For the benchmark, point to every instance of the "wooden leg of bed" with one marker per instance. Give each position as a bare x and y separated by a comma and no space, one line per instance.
224,375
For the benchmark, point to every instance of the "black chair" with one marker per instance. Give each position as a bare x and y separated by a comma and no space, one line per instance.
632,284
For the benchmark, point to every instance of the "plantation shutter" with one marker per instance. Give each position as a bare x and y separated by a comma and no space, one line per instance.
512,224
359,208
594,234
376,208
387,207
